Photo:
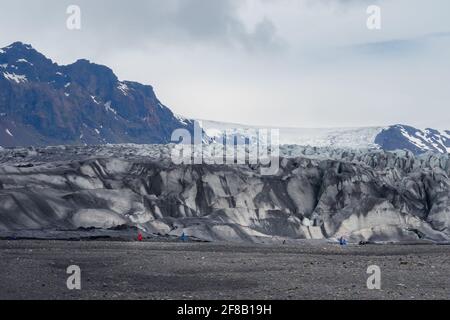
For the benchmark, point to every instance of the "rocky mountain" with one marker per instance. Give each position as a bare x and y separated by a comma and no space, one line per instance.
43,103
391,138
402,137
317,194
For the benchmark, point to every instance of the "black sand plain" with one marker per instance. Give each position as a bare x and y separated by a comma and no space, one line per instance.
34,269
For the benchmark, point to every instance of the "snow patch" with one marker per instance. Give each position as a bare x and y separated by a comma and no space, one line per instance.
182,120
95,99
15,77
416,141
428,139
124,88
446,134
9,132
109,108
25,61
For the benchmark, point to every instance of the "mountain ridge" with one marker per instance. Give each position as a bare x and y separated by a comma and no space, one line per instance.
388,138
43,103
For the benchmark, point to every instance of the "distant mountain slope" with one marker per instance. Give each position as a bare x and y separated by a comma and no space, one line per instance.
396,137
42,103
418,141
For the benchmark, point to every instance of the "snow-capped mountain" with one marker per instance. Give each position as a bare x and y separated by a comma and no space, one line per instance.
416,140
390,138
43,103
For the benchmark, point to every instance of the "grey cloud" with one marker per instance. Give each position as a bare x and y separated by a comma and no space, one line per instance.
218,21
119,22
342,6
344,2
264,33
212,58
404,47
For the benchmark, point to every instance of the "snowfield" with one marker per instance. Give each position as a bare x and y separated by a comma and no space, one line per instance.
325,137
389,138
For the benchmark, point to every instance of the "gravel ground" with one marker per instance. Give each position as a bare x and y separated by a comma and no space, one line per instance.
130,270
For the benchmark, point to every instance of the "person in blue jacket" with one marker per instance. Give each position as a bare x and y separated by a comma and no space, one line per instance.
343,241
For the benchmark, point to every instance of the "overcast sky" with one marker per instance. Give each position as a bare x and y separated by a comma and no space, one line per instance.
300,63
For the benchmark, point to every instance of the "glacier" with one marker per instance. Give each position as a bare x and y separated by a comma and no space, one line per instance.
318,193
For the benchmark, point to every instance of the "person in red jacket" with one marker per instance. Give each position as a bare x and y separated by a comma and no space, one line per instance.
140,237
